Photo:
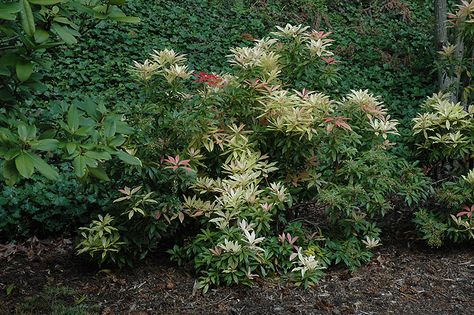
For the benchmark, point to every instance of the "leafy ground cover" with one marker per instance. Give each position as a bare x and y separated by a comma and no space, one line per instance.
386,49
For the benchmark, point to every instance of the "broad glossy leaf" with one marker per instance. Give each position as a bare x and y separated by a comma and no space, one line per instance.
80,167
65,20
90,162
84,9
24,164
45,2
89,106
85,131
10,59
10,173
129,159
27,19
6,135
41,35
8,11
45,144
98,155
24,71
73,118
71,147
124,128
99,173
117,141
6,95
44,168
12,153
23,132
66,34
110,128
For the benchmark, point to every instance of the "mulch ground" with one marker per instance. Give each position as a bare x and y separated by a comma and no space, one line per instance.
404,277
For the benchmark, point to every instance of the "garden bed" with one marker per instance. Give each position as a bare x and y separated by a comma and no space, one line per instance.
404,277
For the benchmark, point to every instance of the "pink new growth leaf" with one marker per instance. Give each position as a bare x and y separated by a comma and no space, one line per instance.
469,212
176,163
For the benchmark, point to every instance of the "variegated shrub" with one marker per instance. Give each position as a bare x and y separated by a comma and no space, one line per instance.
264,135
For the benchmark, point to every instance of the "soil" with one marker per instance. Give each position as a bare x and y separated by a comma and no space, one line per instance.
404,277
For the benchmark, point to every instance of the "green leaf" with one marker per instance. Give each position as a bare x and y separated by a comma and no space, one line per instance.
45,145
99,173
24,165
8,10
4,71
124,128
90,107
7,96
24,71
9,289
10,59
44,168
129,159
73,118
126,19
80,167
90,162
71,147
41,35
27,19
117,2
45,2
64,20
85,9
12,153
110,128
117,141
10,173
66,34
23,132
98,155
84,131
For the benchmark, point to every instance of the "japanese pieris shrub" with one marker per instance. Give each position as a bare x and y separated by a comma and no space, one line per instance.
261,137
444,133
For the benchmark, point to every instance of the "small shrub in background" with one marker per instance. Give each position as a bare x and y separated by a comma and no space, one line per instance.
37,138
39,207
445,135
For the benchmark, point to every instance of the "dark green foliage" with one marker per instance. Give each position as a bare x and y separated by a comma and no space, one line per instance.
431,226
388,51
351,252
44,208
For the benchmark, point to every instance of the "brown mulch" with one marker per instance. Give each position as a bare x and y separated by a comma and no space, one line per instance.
404,277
